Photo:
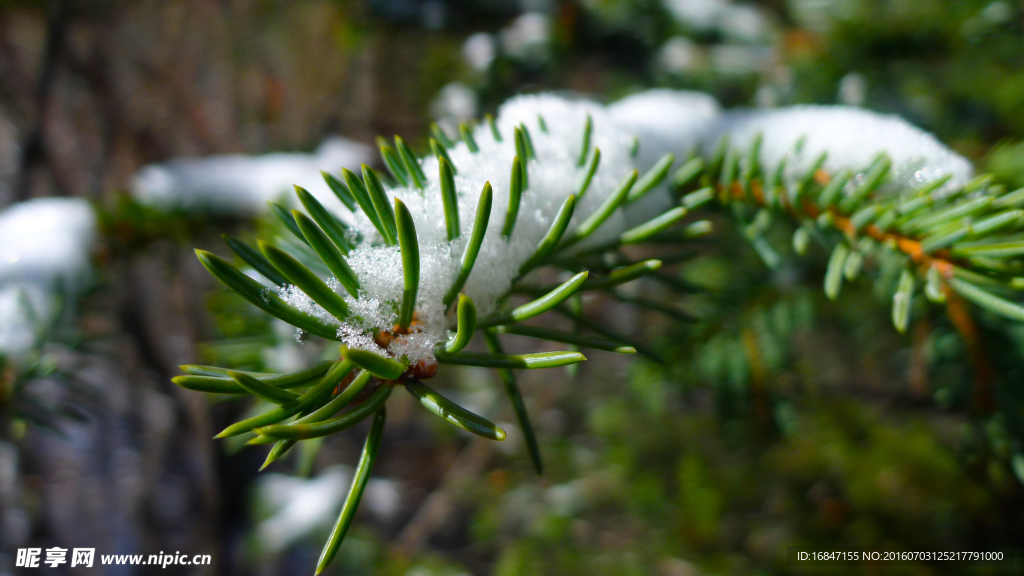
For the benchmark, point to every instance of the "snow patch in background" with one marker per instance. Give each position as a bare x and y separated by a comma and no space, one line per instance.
300,507
680,55
456,102
479,51
45,246
742,22
853,89
528,37
238,184
700,14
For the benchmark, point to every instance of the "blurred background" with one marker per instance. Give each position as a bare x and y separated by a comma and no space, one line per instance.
134,131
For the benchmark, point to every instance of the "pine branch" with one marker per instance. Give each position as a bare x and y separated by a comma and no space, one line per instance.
956,238
324,399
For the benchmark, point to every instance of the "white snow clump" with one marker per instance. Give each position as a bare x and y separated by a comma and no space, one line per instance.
552,176
663,121
852,137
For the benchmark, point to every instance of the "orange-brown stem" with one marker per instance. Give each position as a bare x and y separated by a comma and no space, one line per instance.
918,359
909,246
958,313
423,369
956,308
758,378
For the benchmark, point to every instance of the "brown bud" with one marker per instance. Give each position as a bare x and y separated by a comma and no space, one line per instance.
423,369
